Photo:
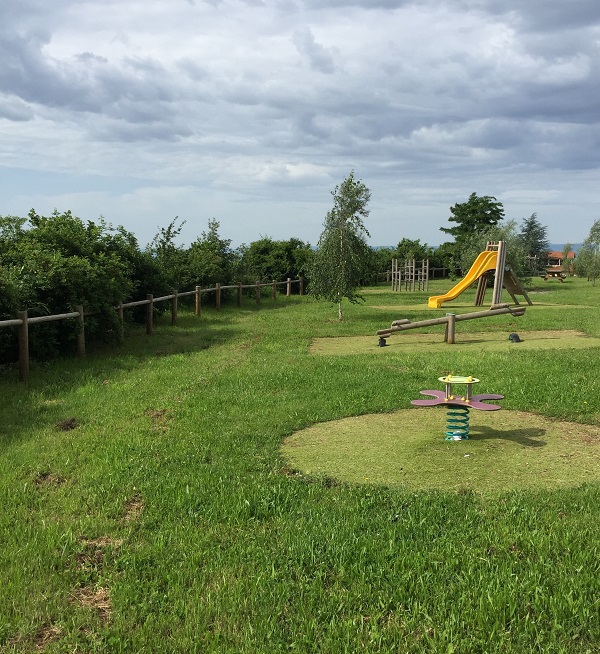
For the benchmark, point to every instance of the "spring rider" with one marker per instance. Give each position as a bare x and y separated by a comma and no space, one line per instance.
457,416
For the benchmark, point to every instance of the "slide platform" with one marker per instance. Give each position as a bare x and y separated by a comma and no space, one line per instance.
485,262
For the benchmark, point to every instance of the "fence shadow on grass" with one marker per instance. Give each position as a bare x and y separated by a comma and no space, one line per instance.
38,404
525,436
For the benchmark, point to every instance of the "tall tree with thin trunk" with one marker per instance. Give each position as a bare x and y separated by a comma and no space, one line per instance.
588,260
339,264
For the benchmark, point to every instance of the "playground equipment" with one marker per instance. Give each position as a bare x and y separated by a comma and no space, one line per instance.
449,320
457,416
414,275
492,261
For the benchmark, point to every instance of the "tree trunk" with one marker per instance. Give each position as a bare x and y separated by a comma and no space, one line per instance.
340,317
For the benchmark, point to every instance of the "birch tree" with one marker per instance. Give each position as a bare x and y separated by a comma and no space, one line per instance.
339,264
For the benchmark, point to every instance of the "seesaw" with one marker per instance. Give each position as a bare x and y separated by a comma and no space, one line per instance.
449,320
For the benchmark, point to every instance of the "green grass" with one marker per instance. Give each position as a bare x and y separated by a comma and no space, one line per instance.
167,519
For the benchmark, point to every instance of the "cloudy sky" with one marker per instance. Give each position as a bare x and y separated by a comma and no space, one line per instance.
251,111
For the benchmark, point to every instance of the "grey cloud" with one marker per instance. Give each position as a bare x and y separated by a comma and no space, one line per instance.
14,109
319,57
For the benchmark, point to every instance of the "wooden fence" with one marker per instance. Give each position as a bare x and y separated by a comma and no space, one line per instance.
22,321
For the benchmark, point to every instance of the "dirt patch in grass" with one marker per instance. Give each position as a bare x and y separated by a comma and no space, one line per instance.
434,341
160,418
68,424
133,509
47,479
39,641
505,450
97,599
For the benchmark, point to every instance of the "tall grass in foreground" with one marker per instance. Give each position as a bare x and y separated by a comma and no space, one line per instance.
145,506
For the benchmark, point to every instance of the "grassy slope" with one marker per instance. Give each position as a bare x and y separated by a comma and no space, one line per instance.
226,551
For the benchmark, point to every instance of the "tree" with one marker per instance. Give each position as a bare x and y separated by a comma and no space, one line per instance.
516,256
60,262
535,241
342,252
408,249
473,217
588,260
567,264
210,259
266,259
171,258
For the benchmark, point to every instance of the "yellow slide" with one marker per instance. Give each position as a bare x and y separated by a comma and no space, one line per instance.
485,262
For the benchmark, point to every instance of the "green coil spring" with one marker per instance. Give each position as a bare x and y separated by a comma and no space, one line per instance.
457,423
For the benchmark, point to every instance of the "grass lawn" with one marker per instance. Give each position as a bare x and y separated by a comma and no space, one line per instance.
147,505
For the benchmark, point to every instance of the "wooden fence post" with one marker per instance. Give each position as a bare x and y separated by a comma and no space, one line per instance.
257,292
239,294
288,289
218,297
80,332
274,289
23,346
174,308
121,315
450,334
149,314
197,300
301,285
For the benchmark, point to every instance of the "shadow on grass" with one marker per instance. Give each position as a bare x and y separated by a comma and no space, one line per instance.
525,437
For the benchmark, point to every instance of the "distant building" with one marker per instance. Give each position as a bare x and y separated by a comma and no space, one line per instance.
557,264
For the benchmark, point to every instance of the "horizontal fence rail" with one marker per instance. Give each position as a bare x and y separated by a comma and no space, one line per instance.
22,321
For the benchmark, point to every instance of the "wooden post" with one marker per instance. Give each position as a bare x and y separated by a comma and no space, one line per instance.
23,346
121,315
450,328
274,289
218,297
174,308
288,290
149,314
301,285
197,300
80,332
257,292
239,294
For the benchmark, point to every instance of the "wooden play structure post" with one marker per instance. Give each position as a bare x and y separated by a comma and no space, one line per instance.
415,275
503,278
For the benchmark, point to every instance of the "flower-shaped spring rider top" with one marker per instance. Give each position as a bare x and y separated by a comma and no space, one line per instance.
457,421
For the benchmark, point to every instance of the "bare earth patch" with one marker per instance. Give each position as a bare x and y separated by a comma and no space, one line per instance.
434,341
160,418
42,638
97,599
68,424
133,509
47,479
505,450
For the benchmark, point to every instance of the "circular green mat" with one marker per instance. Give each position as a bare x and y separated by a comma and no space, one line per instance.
505,450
